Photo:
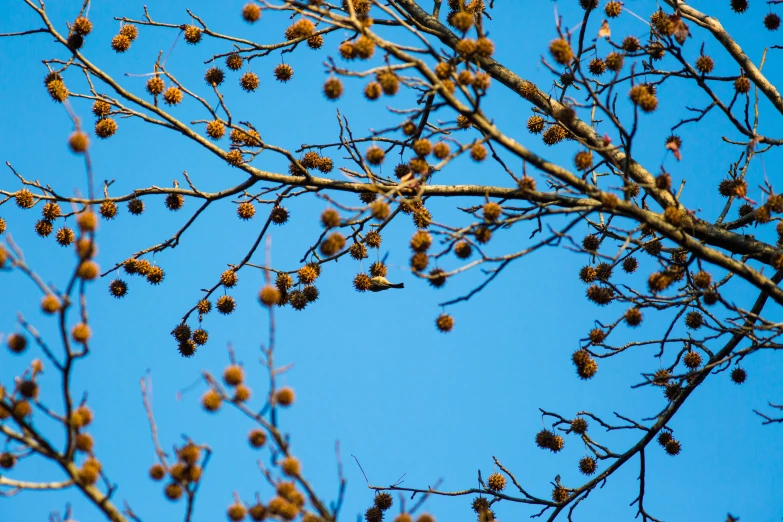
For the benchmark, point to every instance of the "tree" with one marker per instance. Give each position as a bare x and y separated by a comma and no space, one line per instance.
613,91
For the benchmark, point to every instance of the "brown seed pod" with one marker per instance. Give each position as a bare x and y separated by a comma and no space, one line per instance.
172,96
587,465
101,109
561,51
156,86
226,304
362,282
78,142
211,401
419,261
129,31
192,34
444,323
283,72
496,482
118,288
234,62
279,215
214,76
284,396
333,88
105,128
120,43
251,13
155,275
738,375
43,227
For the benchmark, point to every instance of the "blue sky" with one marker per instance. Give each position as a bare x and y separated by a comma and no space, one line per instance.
369,370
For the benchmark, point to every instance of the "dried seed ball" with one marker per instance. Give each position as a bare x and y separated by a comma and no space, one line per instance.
588,4
378,269
535,124
290,466
43,228
192,34
692,360
215,130
28,389
120,43
172,96
642,97
444,323
418,165
492,211
421,241
483,235
249,81
155,275
101,109
591,242
463,250
129,31
478,152
597,336
258,512
49,305
7,460
187,349
772,22
587,465
745,209
310,293
333,244
588,274
226,304
81,332
587,370
234,158
631,44
22,409
157,472
315,42
462,21
561,51
739,6
65,236
362,282
333,88
742,85
380,210
78,142
279,215
118,288
200,337
738,375
559,494
419,261
554,134
389,82
614,61
437,277
228,278
284,396
373,239
211,401
284,72
269,295
87,221
181,332
496,482
204,307
583,160
633,316
597,67
82,26
694,320
233,375
702,279
373,91
237,511
246,210
283,281
383,501
88,270
251,13
173,491
307,274
373,514
364,47
485,47
375,155
105,128
613,9
90,472
156,86
256,438
234,62
673,447
705,64
214,76
630,264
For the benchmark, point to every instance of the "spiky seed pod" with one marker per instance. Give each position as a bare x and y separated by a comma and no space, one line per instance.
583,160
421,241
204,307
43,227
383,501
105,128
192,34
642,97
742,85
745,209
362,282
661,377
269,295
373,91
663,181
200,336
672,391
181,332
82,26
613,9
389,82
84,442
633,316
233,375
65,236
559,494
246,210
333,88
251,13
694,320
373,239
653,247
692,360
226,304
673,447
466,47
702,279
173,491
463,122
214,76
373,514
437,277
120,43
187,349
21,409
172,96
588,4
378,269
229,278
283,72
664,437
738,375
332,244
597,67
579,425
483,235
283,281
484,47
444,323
772,22
418,165
478,152
57,90
256,438
614,61
155,275
89,472
591,242
234,61
597,336
302,28
461,21
492,211
279,215
739,6
291,466
307,274
174,202
101,109
496,482
554,134
705,64
375,155
216,130
561,51
211,401
347,50
78,142
535,124
587,465
129,31
237,511
315,42
310,292
380,210
587,370
118,288
419,261
249,82
258,512
156,86
88,270
49,305
588,274
7,460
463,250
285,396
